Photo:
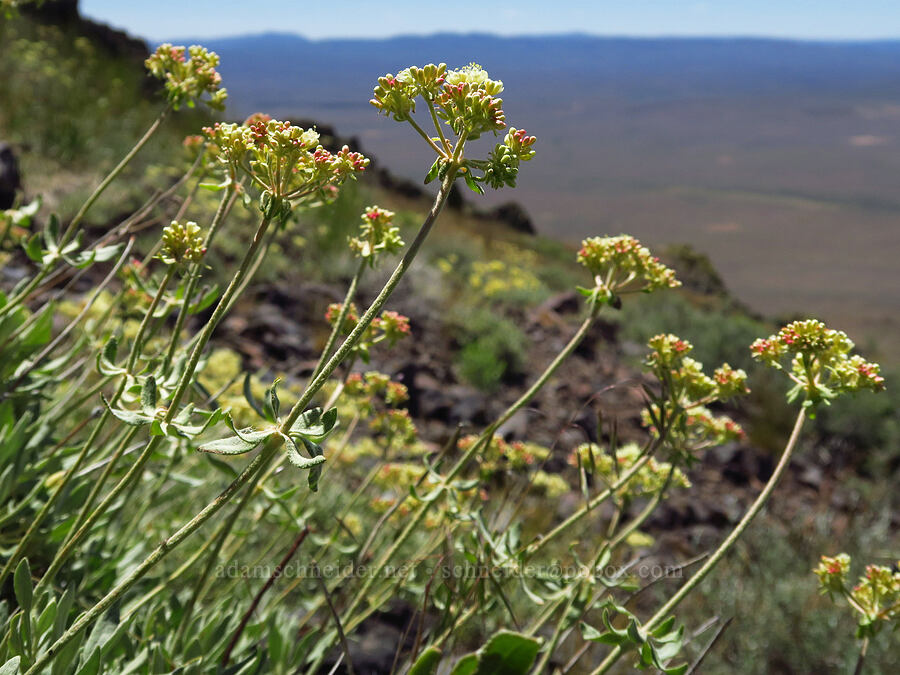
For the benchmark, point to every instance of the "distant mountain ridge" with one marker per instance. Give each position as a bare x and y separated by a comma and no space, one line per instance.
641,67
778,158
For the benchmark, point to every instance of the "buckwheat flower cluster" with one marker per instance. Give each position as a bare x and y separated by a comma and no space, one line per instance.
832,573
378,397
467,101
377,234
182,243
371,386
499,455
400,476
681,410
821,366
875,597
668,360
389,327
187,79
550,485
622,265
696,429
286,162
648,480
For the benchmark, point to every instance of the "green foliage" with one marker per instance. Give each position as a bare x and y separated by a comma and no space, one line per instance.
492,349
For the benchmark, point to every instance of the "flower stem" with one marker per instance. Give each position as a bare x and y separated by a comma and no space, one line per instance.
416,521
342,316
195,273
82,455
82,212
724,547
265,455
172,411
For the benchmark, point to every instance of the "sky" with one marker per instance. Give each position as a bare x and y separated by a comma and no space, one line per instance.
801,19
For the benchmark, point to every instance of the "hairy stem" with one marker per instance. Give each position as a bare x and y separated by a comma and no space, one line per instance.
724,547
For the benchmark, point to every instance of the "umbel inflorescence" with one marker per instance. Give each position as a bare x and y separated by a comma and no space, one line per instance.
286,162
188,75
467,101
817,359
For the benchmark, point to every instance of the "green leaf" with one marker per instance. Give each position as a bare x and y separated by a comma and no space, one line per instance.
205,300
664,628
46,619
507,653
250,398
105,253
313,463
149,396
91,665
467,665
40,332
106,359
271,404
427,663
243,441
22,587
51,232
129,417
314,424
634,633
433,171
33,248
473,186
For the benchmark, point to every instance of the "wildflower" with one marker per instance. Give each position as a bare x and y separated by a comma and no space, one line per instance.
621,265
821,366
466,100
182,244
286,162
875,597
647,481
377,234
187,79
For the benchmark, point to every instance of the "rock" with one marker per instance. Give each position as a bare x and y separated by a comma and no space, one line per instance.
516,427
10,179
513,215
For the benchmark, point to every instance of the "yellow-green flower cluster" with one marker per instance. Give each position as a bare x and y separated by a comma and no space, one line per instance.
550,485
496,278
694,429
622,265
669,361
400,476
875,597
390,327
498,455
182,243
376,396
377,234
187,79
681,412
821,366
466,99
647,481
285,161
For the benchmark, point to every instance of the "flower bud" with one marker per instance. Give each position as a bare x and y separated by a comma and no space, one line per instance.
182,244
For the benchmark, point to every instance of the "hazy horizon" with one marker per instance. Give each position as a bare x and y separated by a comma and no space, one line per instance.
831,20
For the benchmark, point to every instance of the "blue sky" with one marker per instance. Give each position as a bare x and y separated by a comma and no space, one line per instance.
803,19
